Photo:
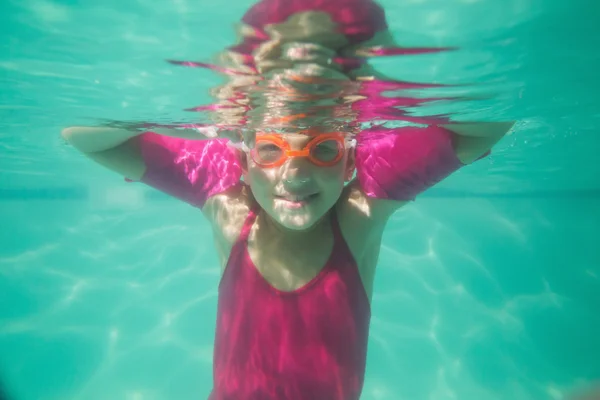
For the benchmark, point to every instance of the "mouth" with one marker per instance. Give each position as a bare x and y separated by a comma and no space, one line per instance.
296,201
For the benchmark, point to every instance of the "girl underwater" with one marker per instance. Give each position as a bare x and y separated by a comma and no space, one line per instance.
297,203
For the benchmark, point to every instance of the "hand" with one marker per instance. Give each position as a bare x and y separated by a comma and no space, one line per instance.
249,137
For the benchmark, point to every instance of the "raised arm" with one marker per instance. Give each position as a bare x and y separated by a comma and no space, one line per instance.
119,149
395,165
176,161
474,140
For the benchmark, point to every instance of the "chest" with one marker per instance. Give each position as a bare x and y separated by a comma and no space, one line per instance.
289,264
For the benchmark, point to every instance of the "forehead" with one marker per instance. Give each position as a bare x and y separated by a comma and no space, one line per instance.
299,138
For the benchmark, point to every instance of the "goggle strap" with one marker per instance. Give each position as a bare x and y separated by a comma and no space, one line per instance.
243,147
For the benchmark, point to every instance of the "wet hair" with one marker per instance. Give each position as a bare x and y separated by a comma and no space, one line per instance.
303,63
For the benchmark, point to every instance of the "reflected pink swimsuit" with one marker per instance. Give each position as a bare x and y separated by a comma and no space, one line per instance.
310,344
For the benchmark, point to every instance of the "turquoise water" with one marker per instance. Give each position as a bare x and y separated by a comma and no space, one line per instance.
487,287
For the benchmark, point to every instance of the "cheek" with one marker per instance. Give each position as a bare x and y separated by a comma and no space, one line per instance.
332,175
332,179
260,179
337,172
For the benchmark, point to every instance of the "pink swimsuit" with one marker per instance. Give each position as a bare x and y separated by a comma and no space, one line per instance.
309,344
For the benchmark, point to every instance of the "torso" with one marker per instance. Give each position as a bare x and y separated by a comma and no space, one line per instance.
285,268
293,317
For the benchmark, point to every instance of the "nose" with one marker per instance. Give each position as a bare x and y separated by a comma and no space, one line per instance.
296,173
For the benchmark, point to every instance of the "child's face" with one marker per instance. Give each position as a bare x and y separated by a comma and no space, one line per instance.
297,193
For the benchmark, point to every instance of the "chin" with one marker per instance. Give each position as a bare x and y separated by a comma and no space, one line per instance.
297,222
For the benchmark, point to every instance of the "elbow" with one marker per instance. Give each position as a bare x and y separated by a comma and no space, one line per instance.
67,134
74,137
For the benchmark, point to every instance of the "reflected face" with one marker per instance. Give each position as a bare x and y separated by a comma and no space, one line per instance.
298,178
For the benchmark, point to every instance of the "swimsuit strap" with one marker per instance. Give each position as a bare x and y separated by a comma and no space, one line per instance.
341,250
248,223
335,226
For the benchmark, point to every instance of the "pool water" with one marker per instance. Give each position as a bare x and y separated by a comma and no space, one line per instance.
488,286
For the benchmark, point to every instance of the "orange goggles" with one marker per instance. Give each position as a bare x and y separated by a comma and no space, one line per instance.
271,150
